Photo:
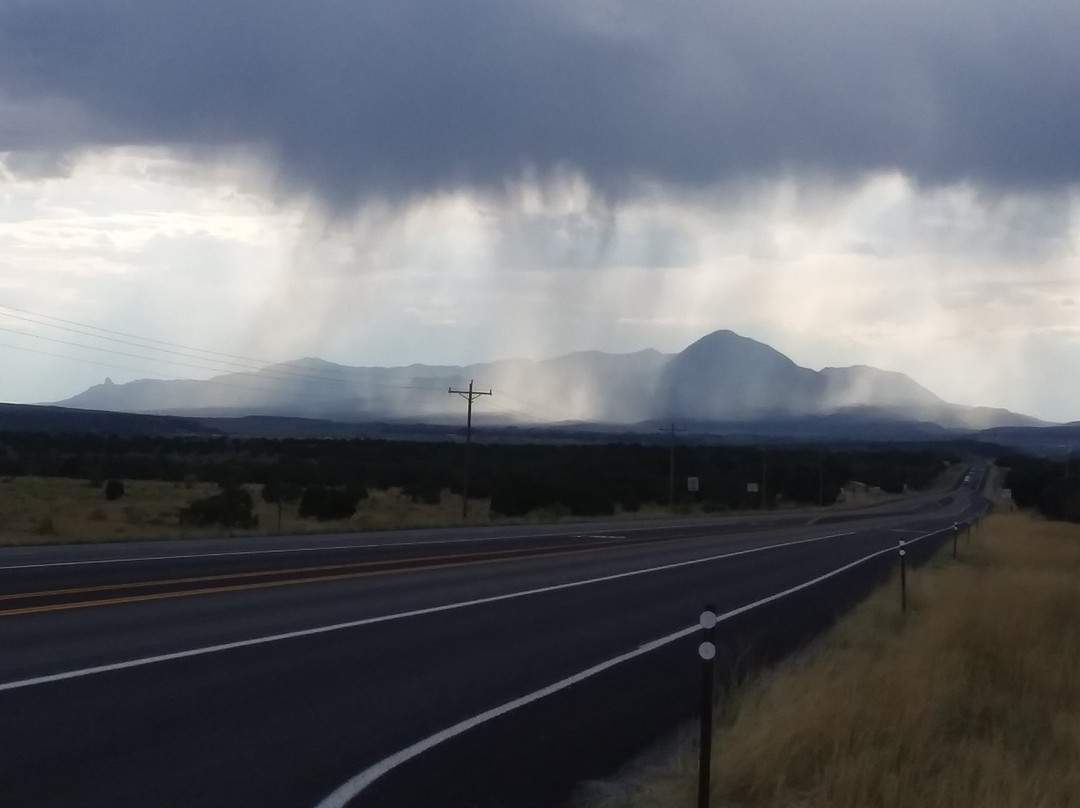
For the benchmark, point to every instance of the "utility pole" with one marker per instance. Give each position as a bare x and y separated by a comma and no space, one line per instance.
470,396
764,477
821,478
671,463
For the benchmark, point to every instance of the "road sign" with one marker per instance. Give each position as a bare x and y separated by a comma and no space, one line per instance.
751,488
693,484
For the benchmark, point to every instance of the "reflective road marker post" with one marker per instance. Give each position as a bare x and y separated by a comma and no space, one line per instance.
707,652
955,533
903,578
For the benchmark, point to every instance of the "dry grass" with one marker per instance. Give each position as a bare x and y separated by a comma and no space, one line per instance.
48,510
972,700
37,510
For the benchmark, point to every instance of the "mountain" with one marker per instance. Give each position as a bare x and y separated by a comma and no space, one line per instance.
34,418
724,380
724,376
861,385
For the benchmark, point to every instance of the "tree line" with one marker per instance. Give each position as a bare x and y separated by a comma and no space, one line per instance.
1051,487
580,479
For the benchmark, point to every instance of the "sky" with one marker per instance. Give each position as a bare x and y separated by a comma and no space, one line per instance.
446,183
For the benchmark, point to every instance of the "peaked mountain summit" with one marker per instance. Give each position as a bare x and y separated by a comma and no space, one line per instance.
721,380
725,377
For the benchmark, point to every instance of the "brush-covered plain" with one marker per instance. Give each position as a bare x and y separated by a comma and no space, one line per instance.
971,699
48,510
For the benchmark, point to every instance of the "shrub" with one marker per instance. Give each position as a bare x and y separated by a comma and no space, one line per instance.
114,489
428,492
231,508
588,501
136,515
515,494
71,467
281,492
324,503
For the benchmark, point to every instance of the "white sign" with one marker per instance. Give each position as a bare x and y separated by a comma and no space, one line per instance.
692,484
751,488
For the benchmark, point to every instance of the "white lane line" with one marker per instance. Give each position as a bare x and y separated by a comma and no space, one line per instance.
387,545
367,621
739,522
350,789
228,553
346,792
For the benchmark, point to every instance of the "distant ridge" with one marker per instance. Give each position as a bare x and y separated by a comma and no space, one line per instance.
61,420
723,379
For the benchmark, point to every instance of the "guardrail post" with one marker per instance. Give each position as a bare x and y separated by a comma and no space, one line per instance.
903,578
707,652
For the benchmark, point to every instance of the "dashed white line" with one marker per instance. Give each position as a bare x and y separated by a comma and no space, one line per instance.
387,545
644,527
290,635
229,553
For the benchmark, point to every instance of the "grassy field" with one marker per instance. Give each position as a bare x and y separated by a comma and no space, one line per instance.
37,510
48,510
973,699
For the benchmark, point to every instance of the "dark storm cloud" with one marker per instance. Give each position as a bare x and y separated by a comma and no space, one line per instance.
351,99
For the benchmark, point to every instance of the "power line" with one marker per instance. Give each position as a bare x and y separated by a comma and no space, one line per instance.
563,416
246,363
79,359
250,368
236,367
135,336
103,350
161,377
514,413
218,382
276,373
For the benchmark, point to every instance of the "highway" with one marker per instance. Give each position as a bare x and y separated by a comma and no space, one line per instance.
463,667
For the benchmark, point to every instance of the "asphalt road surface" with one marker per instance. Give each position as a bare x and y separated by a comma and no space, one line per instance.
467,667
